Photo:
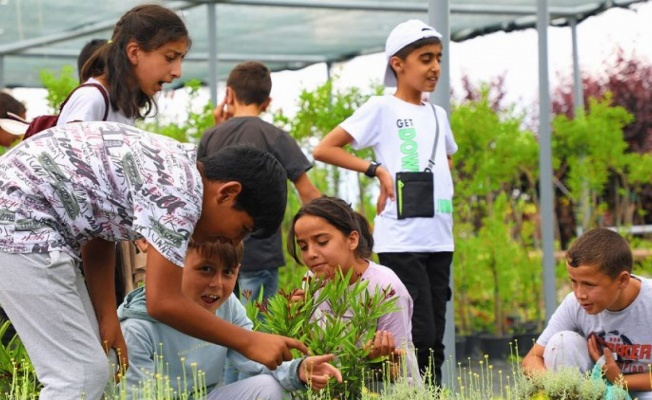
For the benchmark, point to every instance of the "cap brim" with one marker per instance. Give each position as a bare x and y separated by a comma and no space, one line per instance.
390,79
13,126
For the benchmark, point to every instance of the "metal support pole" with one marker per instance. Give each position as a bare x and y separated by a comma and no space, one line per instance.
578,92
439,18
578,112
212,51
2,71
547,216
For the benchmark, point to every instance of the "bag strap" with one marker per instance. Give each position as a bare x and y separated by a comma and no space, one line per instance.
431,160
100,88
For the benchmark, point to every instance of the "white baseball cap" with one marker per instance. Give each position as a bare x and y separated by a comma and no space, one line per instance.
402,35
14,124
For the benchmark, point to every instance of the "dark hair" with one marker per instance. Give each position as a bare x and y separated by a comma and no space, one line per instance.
150,26
10,104
602,248
228,254
263,180
340,215
405,51
85,54
251,82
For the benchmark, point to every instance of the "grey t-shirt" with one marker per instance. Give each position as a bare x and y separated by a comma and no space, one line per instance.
259,253
626,332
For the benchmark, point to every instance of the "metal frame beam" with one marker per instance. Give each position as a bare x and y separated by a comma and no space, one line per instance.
22,45
477,8
226,57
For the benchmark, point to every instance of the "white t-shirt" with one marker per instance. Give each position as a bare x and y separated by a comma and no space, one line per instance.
87,104
402,136
73,183
627,332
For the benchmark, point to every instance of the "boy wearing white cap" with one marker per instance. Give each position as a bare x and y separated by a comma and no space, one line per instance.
412,142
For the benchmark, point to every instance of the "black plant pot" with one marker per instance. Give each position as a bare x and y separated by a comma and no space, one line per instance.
525,342
496,347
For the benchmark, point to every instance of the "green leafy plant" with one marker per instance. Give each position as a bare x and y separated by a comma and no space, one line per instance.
344,331
193,127
17,378
58,85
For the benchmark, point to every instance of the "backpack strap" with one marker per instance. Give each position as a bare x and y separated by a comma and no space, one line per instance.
100,88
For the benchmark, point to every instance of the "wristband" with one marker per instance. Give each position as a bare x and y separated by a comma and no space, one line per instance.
371,171
601,362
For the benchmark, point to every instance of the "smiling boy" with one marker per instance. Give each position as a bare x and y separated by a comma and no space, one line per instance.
209,277
70,192
605,321
408,135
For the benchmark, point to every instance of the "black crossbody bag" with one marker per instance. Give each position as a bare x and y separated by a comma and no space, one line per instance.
415,191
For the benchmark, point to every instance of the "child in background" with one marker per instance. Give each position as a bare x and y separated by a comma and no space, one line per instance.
145,51
70,192
209,277
408,135
85,54
238,122
10,129
604,323
331,236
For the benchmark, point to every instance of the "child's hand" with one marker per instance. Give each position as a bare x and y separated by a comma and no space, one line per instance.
271,350
315,371
382,345
386,188
222,112
297,295
597,349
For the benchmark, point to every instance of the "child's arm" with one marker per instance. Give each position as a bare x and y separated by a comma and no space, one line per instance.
533,361
98,262
331,150
307,191
167,303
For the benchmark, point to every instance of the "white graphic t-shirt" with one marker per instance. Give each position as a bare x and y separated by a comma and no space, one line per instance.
69,184
402,136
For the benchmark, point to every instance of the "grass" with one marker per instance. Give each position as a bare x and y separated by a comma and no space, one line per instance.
471,380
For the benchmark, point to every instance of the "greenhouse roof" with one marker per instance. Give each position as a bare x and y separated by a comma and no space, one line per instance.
285,34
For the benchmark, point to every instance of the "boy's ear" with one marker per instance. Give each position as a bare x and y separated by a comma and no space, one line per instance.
230,96
228,191
396,63
132,52
266,103
623,279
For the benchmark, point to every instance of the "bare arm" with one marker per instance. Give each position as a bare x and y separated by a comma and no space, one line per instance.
98,261
331,150
167,303
307,191
533,362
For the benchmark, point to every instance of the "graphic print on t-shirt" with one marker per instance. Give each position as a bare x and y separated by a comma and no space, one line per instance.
80,181
409,148
632,357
